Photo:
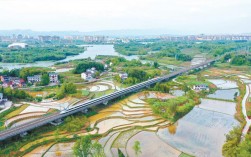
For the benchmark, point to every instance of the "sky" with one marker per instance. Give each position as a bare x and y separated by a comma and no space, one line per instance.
185,16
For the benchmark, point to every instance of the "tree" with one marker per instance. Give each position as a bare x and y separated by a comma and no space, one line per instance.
117,78
85,148
230,148
70,88
97,150
185,88
155,64
82,67
45,80
82,147
136,147
120,153
66,88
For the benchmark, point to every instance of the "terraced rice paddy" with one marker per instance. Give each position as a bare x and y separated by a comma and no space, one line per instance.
131,120
118,123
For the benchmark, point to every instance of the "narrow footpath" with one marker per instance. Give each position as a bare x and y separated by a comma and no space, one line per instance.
244,111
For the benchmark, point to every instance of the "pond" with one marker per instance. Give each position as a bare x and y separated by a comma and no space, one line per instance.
225,94
200,133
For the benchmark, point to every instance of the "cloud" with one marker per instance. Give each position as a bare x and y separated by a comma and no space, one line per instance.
208,16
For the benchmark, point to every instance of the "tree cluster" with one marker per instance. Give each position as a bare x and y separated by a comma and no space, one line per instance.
85,148
175,108
38,53
13,94
74,124
82,67
234,147
66,88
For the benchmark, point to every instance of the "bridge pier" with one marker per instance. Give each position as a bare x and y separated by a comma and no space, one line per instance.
105,102
23,134
85,111
56,122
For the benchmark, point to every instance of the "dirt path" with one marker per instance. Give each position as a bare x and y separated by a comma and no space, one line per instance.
244,111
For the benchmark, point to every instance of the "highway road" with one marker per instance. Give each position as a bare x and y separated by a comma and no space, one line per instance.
10,132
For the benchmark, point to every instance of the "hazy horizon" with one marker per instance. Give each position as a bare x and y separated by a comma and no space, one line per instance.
169,17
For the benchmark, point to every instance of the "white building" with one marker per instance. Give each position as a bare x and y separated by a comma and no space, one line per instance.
3,102
123,76
34,79
89,74
200,87
18,46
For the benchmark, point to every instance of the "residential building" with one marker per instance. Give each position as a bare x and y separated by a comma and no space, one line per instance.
123,76
5,79
89,74
53,77
13,82
200,87
34,79
2,100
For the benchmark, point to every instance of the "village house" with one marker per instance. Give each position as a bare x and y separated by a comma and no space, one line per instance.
123,76
200,87
12,82
53,77
34,79
89,74
4,102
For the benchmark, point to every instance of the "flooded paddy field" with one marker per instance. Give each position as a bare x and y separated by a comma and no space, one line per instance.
225,94
151,145
226,90
223,84
202,131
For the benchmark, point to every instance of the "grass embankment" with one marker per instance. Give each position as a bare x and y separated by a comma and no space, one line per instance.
234,146
174,109
13,111
16,111
248,107
239,116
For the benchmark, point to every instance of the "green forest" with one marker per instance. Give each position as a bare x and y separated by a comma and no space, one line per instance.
38,53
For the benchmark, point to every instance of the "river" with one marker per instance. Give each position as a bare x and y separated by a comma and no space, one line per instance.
92,51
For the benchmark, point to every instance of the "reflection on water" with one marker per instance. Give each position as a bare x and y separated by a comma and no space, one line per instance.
226,94
200,133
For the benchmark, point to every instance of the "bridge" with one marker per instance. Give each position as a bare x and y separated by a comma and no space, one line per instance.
10,132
